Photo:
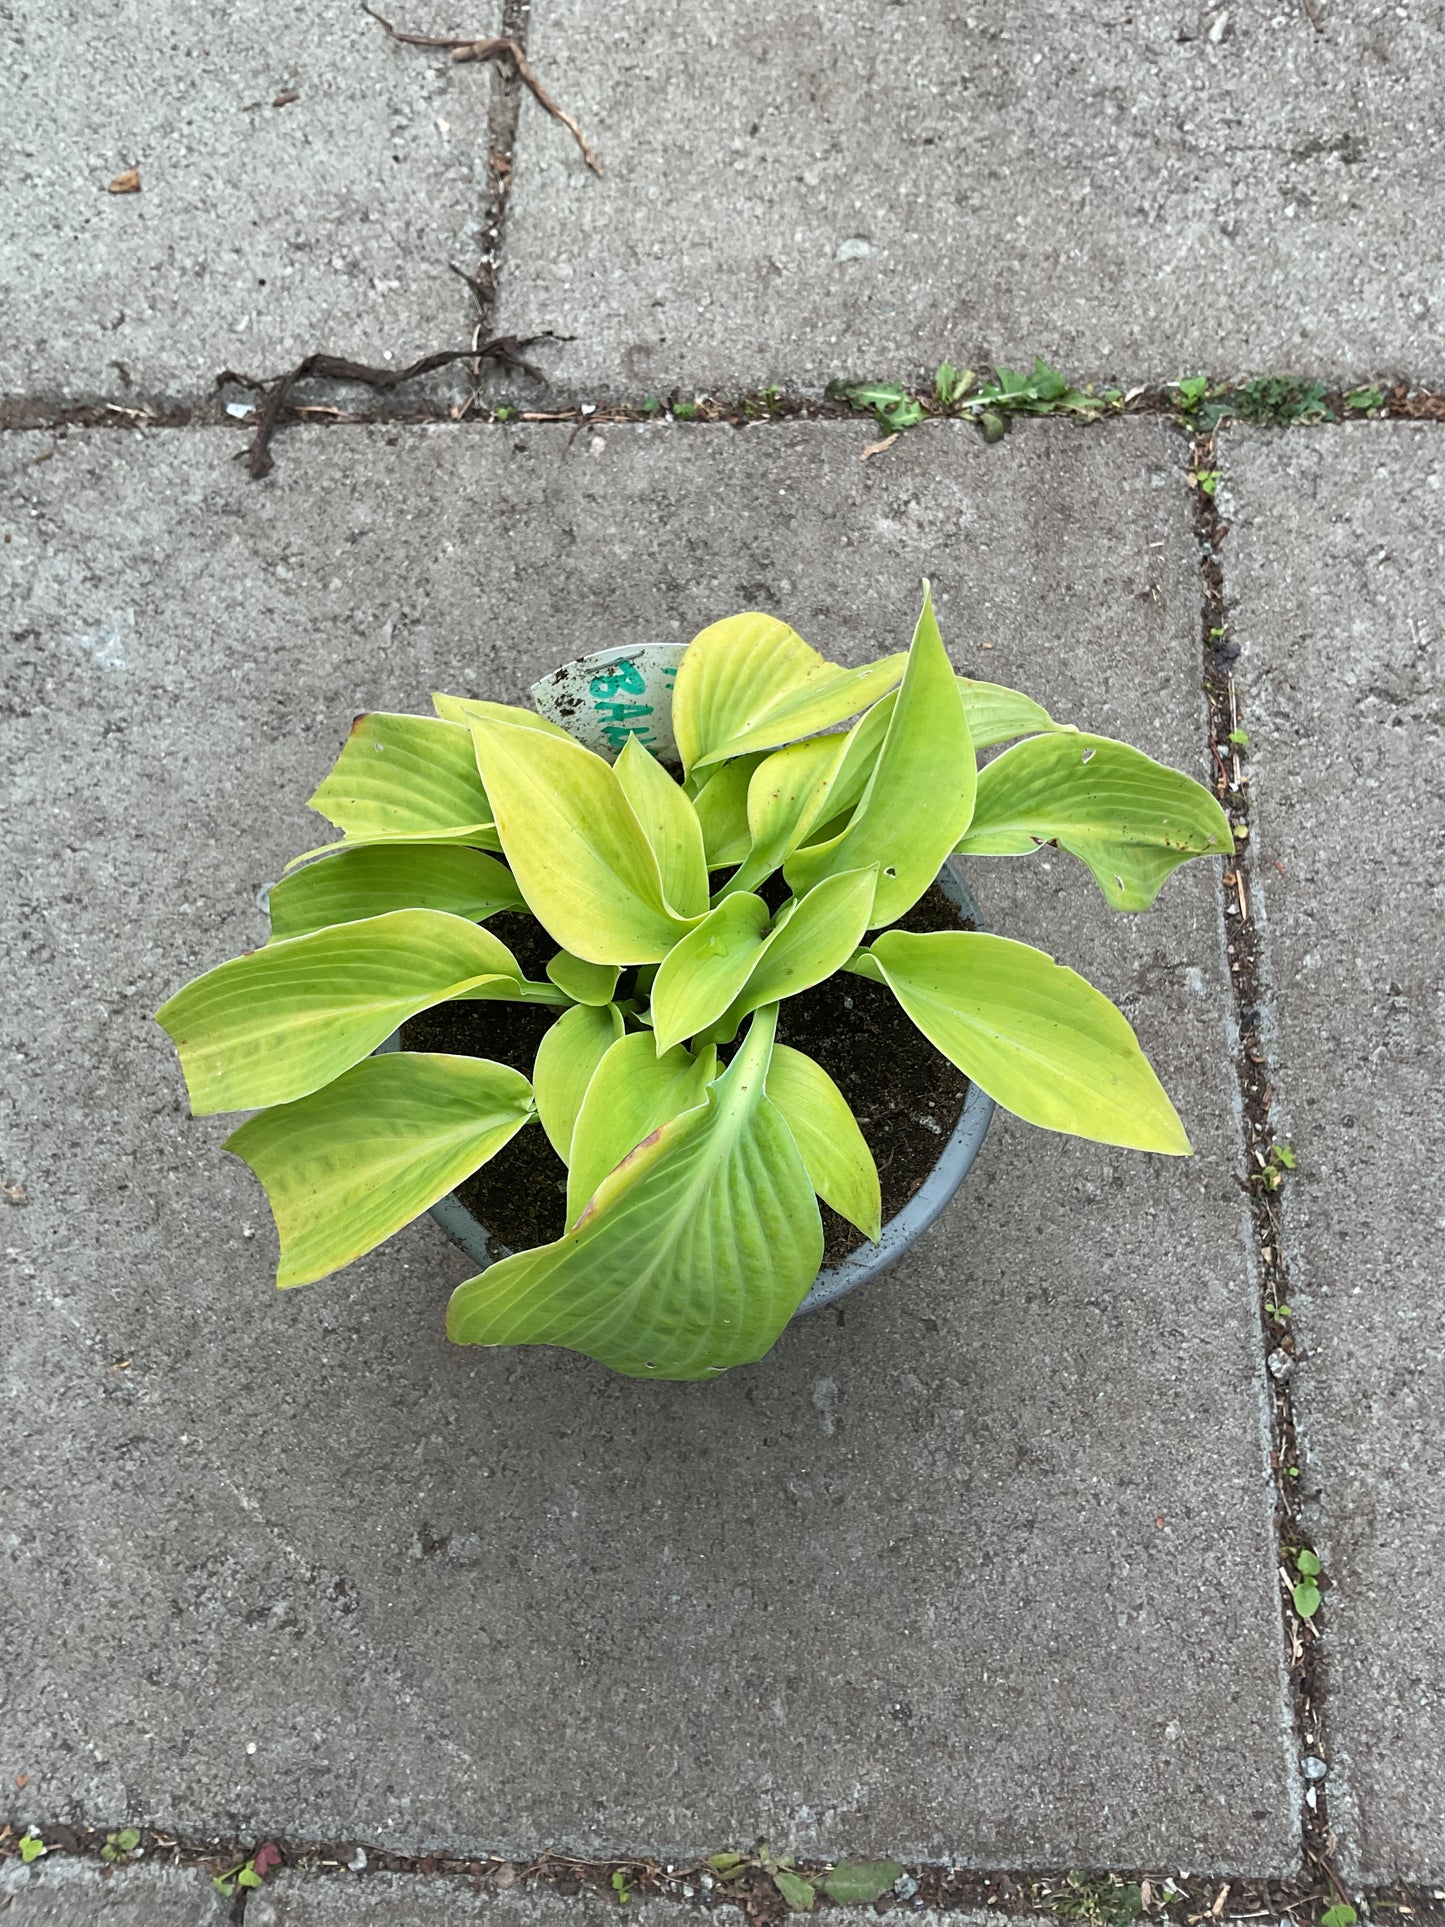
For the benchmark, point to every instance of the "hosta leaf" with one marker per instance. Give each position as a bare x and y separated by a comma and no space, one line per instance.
997,715
1039,1039
567,1057
818,938
350,1164
920,795
583,982
369,881
722,810
855,1883
1130,819
840,1165
575,846
700,976
692,1255
404,776
271,1026
633,1092
670,825
730,674
827,698
788,791
467,710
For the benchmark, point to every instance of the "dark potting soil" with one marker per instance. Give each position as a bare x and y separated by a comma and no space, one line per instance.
904,1094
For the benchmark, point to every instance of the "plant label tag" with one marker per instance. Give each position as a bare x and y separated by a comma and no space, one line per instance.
605,698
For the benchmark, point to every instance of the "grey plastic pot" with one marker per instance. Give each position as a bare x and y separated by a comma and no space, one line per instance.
868,1261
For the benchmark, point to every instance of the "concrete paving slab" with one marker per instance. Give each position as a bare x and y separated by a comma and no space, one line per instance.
61,1892
421,1900
1334,561
1133,192
417,1900
261,233
983,1571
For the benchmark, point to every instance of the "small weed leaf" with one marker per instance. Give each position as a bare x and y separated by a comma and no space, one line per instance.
1342,1914
1191,391
798,1893
1206,480
1239,738
1273,401
727,1864
1281,1159
32,1847
1306,1596
1307,1563
860,1881
1104,1902
620,1886
1363,400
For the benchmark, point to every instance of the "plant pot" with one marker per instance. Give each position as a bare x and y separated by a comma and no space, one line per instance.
868,1261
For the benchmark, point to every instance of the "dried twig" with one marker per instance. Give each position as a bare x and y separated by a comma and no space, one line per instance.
506,349
464,47
1312,14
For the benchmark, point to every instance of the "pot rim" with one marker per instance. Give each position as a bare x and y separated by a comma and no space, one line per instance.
903,1229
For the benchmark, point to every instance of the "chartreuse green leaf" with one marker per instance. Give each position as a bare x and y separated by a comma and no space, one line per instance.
567,1057
994,715
855,1883
670,825
1039,1039
788,792
633,1093
700,976
840,1165
583,982
1130,819
731,673
273,1025
722,809
467,710
354,1162
998,715
691,1256
808,945
827,698
922,786
368,881
405,778
751,682
575,846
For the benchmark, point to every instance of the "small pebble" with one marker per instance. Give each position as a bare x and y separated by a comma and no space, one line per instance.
905,1886
1313,1767
357,1862
1281,1366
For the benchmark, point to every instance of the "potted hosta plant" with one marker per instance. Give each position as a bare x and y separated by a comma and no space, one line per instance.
621,987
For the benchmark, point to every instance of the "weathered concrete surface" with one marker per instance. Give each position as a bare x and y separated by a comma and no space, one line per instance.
419,1900
1334,566
415,1900
261,233
984,1571
1136,192
60,1892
